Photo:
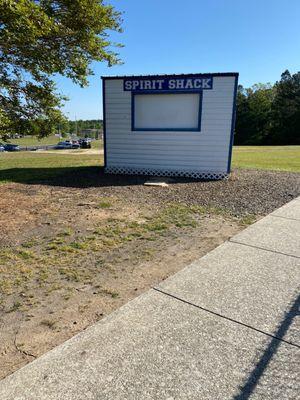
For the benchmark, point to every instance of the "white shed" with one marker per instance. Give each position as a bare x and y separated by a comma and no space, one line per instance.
173,125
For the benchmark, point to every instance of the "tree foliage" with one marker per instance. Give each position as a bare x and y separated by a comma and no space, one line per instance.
269,114
286,110
39,39
80,124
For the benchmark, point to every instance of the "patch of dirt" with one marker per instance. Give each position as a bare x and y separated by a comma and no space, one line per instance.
69,255
79,152
21,208
28,332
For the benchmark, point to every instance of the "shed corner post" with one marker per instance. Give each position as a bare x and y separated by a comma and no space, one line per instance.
104,121
233,119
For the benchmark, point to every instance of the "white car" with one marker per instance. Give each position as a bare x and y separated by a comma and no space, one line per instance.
2,148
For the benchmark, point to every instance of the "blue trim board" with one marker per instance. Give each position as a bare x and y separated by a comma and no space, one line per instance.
134,129
104,122
232,123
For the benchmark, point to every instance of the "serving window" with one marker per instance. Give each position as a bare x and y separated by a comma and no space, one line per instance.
165,111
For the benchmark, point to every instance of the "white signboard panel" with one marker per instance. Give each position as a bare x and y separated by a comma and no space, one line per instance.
166,111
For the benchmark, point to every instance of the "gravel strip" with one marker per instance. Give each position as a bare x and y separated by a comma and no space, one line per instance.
245,192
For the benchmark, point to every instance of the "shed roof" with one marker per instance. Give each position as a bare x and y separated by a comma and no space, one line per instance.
171,75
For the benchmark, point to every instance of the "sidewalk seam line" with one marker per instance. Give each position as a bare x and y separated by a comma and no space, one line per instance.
279,216
262,248
224,317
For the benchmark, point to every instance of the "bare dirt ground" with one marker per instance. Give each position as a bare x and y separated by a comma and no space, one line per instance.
73,252
77,151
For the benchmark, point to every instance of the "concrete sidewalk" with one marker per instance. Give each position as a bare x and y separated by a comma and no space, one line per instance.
226,327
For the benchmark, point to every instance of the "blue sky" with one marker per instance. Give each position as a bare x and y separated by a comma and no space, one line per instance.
258,39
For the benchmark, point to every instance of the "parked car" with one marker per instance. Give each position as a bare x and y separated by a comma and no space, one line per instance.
12,147
63,146
85,143
75,144
2,147
67,145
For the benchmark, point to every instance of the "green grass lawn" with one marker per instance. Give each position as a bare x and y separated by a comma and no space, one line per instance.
34,141
277,158
97,144
49,140
33,166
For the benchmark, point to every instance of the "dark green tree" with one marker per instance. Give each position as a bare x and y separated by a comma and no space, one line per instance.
269,114
253,114
40,38
286,110
242,124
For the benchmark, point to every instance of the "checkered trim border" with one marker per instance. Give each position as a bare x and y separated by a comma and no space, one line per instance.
162,172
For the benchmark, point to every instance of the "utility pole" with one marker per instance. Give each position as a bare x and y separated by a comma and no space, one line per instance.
76,132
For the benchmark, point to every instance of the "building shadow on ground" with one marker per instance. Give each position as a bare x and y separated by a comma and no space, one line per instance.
78,177
261,368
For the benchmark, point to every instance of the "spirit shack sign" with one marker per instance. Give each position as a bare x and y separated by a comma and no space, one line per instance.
194,83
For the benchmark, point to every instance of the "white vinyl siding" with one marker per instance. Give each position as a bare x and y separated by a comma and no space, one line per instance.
205,151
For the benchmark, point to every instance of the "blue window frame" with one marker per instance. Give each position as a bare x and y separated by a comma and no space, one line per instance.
133,96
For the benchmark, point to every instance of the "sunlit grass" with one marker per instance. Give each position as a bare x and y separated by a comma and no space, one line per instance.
35,141
35,166
31,166
277,158
49,140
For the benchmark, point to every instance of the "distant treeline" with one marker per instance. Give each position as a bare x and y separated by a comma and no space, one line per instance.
71,126
269,114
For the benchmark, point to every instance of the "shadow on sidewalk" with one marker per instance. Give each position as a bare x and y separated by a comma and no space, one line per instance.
249,386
